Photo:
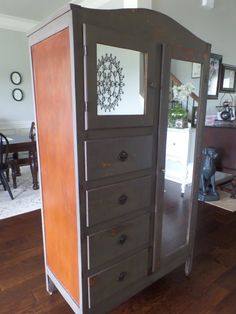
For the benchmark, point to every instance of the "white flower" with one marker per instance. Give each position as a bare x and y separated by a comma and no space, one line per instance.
180,93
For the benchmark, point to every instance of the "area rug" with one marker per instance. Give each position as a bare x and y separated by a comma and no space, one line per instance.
25,198
225,202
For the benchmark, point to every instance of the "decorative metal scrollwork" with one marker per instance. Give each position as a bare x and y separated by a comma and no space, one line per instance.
109,82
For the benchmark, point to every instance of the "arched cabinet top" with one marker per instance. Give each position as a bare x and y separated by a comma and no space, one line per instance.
148,24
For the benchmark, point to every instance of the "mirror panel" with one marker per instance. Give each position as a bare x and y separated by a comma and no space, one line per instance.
121,81
179,155
228,78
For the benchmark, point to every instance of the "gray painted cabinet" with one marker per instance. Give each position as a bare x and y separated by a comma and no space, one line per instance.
112,223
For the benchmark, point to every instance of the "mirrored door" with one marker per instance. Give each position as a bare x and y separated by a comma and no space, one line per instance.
183,106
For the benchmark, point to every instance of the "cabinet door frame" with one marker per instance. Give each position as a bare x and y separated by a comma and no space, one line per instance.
185,251
161,148
93,35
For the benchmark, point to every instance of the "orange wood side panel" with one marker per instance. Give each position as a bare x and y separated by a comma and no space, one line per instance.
53,97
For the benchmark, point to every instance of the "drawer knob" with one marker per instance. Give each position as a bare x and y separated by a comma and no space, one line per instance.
123,199
122,276
123,155
122,239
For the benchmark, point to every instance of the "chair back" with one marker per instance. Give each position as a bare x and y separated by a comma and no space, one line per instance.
4,144
32,132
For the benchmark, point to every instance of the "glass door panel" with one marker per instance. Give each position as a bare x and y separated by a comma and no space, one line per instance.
121,79
121,84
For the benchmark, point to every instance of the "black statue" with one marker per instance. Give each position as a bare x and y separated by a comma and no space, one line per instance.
207,189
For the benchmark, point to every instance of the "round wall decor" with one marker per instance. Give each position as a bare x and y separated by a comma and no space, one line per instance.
109,82
16,78
17,94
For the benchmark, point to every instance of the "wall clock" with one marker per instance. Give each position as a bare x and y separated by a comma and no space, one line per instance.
17,94
16,78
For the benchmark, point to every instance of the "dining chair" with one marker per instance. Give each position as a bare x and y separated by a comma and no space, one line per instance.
32,132
33,157
4,167
24,158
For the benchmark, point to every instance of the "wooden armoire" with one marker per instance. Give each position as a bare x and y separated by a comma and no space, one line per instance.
101,87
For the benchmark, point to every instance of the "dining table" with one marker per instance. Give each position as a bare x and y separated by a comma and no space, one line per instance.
19,143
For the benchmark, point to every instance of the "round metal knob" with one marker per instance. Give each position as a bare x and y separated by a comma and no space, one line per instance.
123,199
122,239
122,276
123,155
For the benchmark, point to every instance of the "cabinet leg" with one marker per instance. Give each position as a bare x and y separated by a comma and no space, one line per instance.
51,288
188,265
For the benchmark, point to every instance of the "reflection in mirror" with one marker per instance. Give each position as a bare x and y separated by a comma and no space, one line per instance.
121,81
181,133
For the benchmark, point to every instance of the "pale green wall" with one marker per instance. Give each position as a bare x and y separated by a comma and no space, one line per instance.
14,57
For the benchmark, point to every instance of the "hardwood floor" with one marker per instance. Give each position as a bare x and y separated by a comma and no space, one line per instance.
211,288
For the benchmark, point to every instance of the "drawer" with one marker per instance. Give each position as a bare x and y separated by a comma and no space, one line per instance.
120,239
115,200
110,157
115,279
177,145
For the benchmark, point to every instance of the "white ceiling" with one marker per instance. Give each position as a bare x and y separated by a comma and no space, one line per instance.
31,9
22,15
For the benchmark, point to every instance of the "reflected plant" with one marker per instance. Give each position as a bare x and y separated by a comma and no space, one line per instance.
177,115
181,92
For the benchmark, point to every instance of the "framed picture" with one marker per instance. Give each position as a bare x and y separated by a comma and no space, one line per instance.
16,78
17,94
228,78
214,76
194,117
196,70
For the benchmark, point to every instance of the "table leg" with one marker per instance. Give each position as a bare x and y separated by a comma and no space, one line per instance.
14,173
17,167
34,168
233,192
7,175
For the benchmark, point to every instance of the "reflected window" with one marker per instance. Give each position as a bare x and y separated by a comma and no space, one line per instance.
121,81
229,79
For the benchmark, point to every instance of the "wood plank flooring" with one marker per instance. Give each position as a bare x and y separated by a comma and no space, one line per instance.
211,288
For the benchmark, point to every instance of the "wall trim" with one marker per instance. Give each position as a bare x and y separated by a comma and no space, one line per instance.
9,125
15,23
147,4
91,3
